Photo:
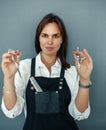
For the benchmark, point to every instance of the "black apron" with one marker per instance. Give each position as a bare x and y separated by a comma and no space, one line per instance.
48,110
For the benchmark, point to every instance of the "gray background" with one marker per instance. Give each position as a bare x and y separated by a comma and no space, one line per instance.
85,21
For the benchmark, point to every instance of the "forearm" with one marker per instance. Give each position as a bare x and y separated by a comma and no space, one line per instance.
82,99
9,93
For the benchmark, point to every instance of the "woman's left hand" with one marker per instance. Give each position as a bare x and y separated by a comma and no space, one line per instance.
85,64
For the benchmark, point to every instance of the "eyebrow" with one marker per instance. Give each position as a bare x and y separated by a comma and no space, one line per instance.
52,34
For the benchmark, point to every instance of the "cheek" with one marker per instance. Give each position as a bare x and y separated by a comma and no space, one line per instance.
57,46
42,42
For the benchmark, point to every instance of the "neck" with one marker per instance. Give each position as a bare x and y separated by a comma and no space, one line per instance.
48,60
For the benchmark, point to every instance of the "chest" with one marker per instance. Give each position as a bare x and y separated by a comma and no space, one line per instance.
56,95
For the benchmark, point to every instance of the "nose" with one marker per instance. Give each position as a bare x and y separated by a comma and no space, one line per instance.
50,40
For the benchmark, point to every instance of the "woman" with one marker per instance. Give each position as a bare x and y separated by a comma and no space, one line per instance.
65,89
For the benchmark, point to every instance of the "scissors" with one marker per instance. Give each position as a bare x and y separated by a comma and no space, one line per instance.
15,61
80,60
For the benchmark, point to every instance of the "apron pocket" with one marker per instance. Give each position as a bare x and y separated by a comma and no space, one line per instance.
47,102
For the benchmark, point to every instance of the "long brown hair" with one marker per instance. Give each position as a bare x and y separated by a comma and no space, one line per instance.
62,52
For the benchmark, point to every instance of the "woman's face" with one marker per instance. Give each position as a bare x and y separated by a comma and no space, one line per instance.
50,39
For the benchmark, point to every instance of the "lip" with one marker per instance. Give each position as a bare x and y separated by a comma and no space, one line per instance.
49,48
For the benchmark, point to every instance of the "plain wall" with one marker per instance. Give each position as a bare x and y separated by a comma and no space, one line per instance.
85,22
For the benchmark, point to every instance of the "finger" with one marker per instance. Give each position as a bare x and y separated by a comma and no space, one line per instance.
88,56
15,55
79,53
77,64
19,56
6,57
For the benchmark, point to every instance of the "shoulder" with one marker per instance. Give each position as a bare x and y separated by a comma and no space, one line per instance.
71,70
25,66
71,75
25,62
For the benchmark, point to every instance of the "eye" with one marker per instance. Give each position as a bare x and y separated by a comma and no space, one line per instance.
55,36
44,35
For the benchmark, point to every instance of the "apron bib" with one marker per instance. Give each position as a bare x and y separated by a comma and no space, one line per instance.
48,110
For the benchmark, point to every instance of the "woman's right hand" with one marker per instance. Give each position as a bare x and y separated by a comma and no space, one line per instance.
8,65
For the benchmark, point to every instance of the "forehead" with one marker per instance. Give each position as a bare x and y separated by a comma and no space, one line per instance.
51,28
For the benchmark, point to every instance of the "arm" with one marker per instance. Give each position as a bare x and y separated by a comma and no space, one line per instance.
9,70
86,66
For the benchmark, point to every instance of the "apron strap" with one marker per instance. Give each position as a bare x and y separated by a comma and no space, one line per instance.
33,67
62,73
61,78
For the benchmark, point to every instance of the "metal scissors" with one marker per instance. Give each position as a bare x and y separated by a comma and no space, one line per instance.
15,61
80,60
